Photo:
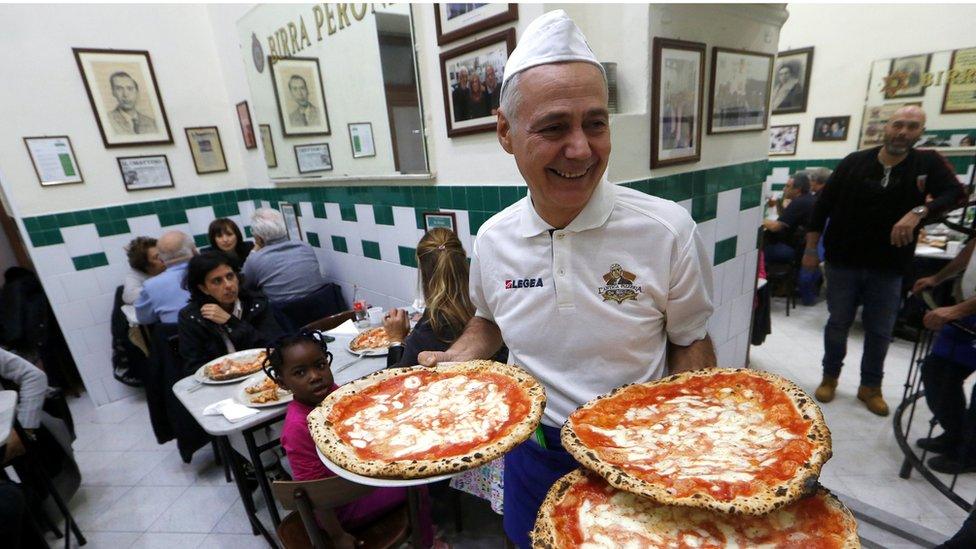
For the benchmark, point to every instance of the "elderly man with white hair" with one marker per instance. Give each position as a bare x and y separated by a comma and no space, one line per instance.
284,270
621,279
163,295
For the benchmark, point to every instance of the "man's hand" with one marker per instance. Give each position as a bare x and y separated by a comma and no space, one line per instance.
215,313
811,260
397,324
433,358
903,232
937,318
14,447
923,283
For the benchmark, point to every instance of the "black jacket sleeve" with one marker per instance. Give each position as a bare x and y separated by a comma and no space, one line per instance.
942,184
196,346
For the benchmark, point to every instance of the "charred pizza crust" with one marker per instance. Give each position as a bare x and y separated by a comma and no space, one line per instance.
340,453
802,484
544,534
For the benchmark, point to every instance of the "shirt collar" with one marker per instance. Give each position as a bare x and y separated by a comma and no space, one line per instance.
238,309
594,214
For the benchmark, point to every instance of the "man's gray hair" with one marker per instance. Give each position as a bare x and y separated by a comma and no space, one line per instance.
820,175
512,97
268,224
185,251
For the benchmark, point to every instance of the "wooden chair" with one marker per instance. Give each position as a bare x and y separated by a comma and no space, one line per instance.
330,322
299,530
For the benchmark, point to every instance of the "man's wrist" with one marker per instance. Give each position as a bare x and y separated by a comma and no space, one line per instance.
811,251
920,211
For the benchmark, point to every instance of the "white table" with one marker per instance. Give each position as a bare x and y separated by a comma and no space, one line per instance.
8,409
924,250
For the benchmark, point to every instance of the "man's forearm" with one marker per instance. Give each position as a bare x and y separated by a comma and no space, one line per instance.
957,264
481,339
812,240
684,358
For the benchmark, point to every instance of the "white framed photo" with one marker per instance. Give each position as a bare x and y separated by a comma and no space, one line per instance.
54,160
361,139
313,158
145,172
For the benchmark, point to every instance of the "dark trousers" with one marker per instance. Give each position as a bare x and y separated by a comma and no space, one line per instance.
943,379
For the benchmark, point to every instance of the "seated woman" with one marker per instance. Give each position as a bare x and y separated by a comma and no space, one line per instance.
226,237
144,263
221,317
301,364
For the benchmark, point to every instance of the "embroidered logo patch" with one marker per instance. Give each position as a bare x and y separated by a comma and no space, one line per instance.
619,285
523,283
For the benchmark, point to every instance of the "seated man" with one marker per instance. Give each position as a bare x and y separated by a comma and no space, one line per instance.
779,232
31,384
818,178
163,295
282,269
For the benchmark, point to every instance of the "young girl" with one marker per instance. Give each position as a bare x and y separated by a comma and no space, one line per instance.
301,364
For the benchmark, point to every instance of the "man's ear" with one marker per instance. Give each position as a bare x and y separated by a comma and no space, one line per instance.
504,131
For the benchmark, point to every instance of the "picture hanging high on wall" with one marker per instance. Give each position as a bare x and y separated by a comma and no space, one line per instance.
315,157
676,108
361,139
300,96
267,143
831,128
960,91
206,149
471,82
247,128
875,118
454,21
782,140
908,72
145,172
739,91
791,81
53,160
124,97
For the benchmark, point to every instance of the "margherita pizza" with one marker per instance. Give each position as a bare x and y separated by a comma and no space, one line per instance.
232,368
582,510
737,441
373,338
419,422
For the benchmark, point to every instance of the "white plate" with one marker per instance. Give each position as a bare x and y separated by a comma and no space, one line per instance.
378,482
284,396
378,351
248,354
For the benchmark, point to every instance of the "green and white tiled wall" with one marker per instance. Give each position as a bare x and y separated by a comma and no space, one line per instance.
367,235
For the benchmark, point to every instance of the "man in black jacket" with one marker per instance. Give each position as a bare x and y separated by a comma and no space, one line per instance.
876,201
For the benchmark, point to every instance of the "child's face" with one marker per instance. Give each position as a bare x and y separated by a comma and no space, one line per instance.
305,371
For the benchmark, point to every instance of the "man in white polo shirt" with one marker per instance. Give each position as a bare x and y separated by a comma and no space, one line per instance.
590,285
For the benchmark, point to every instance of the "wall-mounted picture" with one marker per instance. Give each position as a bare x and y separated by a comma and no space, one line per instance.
145,172
207,150
124,96
782,140
471,78
267,143
791,81
361,139
54,160
941,141
676,109
247,128
443,220
300,96
313,158
960,92
290,215
831,128
456,21
909,71
875,118
739,91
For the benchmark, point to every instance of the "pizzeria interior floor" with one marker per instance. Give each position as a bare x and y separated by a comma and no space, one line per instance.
136,493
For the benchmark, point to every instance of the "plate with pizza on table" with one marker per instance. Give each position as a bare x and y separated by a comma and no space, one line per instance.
261,391
736,441
418,422
370,342
231,368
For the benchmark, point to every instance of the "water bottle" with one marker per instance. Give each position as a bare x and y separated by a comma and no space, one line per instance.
359,308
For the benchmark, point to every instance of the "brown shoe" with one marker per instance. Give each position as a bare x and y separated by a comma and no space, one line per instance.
825,393
871,396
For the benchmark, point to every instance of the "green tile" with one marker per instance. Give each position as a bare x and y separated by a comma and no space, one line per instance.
704,208
445,197
99,260
751,197
778,186
47,222
724,250
226,209
523,191
348,212
419,212
339,244
201,240
491,198
408,256
89,261
476,219
476,200
459,198
65,219
508,196
172,218
247,231
313,239
116,212
371,249
109,228
383,214
32,224
318,210
80,262
38,238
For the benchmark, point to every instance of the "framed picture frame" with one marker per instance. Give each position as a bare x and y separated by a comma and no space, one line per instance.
782,139
361,139
434,220
145,172
124,96
267,143
247,128
676,101
54,160
465,68
290,215
206,149
909,71
300,96
959,95
831,128
739,91
455,21
873,122
791,81
315,157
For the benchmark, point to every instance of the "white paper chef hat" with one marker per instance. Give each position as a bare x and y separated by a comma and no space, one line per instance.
552,38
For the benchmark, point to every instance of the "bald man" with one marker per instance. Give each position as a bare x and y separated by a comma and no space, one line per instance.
163,295
876,202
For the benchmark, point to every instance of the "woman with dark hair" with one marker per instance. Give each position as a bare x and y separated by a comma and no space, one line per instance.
144,263
225,236
221,317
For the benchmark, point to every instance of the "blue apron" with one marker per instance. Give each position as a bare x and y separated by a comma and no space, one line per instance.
530,470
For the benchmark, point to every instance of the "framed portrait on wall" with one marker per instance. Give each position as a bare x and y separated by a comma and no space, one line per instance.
875,118
444,220
145,172
676,101
739,91
831,128
300,96
960,92
791,81
247,128
206,149
471,83
124,96
454,21
267,143
909,71
290,215
315,157
53,160
361,139
782,139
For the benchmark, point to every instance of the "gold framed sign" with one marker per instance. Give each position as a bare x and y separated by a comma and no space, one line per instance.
206,149
54,160
960,90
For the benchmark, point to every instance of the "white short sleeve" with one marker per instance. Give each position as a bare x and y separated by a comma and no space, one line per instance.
689,305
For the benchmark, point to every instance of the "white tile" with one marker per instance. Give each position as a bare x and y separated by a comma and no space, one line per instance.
114,247
73,315
80,285
117,391
707,231
81,240
137,509
89,501
364,214
727,214
686,204
107,540
749,272
54,290
718,324
332,211
748,233
404,218
152,540
246,210
741,314
305,209
110,277
718,275
725,354
233,541
732,278
145,225
171,471
52,260
103,468
200,218
198,509
98,335
76,341
741,348
96,392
